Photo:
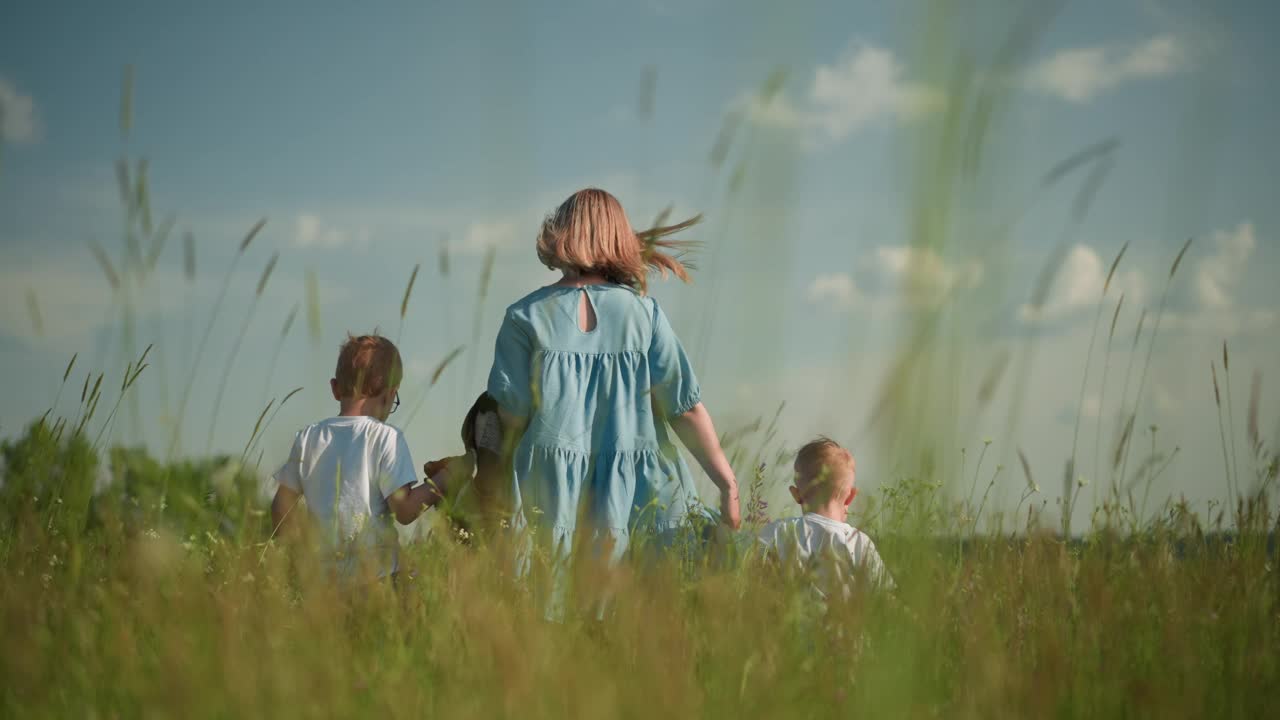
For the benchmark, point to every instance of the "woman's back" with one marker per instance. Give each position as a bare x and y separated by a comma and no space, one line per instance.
596,401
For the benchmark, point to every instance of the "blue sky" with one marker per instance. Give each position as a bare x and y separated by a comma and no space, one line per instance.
369,135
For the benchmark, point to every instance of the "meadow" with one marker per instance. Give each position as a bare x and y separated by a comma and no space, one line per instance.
145,602
146,583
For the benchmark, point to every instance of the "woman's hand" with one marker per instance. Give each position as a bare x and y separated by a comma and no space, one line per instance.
729,512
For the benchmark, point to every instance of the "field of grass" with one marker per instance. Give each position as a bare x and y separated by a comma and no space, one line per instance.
164,593
124,605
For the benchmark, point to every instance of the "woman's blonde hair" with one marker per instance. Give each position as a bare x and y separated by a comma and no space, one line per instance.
590,233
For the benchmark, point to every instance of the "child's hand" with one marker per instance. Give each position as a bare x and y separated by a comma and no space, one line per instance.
432,468
729,512
449,473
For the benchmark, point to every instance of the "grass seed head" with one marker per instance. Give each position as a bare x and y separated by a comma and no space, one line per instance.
1114,264
266,274
253,232
408,290
1178,260
1217,397
67,373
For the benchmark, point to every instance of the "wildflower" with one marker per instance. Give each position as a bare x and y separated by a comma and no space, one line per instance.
151,533
58,500
46,579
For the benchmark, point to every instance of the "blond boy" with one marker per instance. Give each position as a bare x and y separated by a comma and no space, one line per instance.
821,543
354,469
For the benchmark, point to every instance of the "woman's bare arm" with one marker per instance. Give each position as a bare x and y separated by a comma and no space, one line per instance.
698,433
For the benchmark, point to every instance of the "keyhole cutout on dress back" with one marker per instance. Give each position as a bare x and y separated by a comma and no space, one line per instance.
586,313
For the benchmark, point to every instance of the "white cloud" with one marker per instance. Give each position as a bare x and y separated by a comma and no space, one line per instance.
893,277
76,299
1218,275
835,289
925,278
19,119
1080,74
865,86
312,232
1215,286
482,235
1223,323
1079,284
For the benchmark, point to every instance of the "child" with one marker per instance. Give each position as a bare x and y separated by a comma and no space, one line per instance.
587,374
479,504
355,470
821,542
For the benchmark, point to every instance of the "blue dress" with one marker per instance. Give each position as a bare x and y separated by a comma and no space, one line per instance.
596,447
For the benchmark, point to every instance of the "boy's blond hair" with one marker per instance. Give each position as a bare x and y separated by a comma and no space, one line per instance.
590,233
823,471
368,366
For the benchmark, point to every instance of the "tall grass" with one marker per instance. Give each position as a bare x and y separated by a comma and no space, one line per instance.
1233,478
275,353
1102,392
1151,345
204,615
235,345
176,434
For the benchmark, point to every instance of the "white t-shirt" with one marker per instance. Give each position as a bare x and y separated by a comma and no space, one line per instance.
346,467
835,553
